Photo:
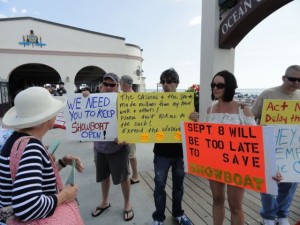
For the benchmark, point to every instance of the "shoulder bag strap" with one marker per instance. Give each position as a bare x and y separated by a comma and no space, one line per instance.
16,155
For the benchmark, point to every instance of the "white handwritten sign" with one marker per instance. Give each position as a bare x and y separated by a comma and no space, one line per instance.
92,118
287,142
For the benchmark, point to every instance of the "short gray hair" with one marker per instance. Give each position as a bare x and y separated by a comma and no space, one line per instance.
292,68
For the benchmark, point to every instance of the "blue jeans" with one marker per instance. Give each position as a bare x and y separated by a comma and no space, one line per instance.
278,206
161,168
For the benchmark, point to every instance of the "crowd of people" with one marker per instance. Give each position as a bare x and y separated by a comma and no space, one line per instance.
41,199
56,91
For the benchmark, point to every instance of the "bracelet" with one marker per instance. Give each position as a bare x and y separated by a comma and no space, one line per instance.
61,163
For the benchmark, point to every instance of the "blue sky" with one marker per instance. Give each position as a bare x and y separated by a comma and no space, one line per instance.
169,32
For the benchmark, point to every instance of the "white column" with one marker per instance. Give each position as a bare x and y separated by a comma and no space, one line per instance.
212,58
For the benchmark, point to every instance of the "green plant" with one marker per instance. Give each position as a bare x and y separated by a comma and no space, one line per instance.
195,88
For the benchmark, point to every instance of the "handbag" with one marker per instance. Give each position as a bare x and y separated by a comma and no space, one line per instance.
64,214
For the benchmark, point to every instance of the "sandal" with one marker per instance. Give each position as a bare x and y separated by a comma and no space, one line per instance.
126,215
134,181
99,210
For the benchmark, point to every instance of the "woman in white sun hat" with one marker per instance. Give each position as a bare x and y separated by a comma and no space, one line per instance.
32,193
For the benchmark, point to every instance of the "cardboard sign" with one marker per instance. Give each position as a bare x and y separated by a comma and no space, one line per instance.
153,117
71,178
60,121
287,149
280,112
93,118
233,154
53,146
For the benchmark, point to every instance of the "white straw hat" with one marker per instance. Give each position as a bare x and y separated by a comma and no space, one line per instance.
33,106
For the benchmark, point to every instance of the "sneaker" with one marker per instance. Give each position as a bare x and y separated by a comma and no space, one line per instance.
283,221
267,222
157,223
183,220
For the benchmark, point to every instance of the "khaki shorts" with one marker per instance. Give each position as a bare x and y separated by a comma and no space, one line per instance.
116,165
132,151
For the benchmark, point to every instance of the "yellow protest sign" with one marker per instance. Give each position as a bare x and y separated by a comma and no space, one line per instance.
277,111
153,117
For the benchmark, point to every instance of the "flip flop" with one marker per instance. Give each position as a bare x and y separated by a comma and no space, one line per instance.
99,210
126,215
134,182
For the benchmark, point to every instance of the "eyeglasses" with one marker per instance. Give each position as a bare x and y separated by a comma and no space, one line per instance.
109,85
293,79
167,81
218,85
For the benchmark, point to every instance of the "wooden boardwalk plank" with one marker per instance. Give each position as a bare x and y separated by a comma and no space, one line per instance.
197,201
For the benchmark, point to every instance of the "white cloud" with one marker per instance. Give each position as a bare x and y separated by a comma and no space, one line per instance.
3,1
14,10
189,63
3,16
23,11
195,21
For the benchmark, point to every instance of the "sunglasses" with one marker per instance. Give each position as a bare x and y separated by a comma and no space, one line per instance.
167,81
218,85
109,85
293,79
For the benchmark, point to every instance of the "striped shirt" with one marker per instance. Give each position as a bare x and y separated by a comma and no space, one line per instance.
33,193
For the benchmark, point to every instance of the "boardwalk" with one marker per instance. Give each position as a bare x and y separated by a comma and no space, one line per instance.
198,200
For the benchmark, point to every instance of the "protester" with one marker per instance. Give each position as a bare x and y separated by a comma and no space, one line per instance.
277,207
126,86
167,155
48,87
32,193
111,160
98,88
86,91
61,89
227,111
53,90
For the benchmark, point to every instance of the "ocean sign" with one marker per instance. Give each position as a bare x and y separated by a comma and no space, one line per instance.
239,155
153,117
92,118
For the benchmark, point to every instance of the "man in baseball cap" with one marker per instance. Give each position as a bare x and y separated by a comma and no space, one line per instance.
125,79
111,161
111,76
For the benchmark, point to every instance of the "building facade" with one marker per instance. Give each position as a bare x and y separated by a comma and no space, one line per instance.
34,52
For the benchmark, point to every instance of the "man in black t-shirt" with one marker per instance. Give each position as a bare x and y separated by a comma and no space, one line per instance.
167,155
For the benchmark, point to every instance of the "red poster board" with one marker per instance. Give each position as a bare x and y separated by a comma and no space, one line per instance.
229,153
